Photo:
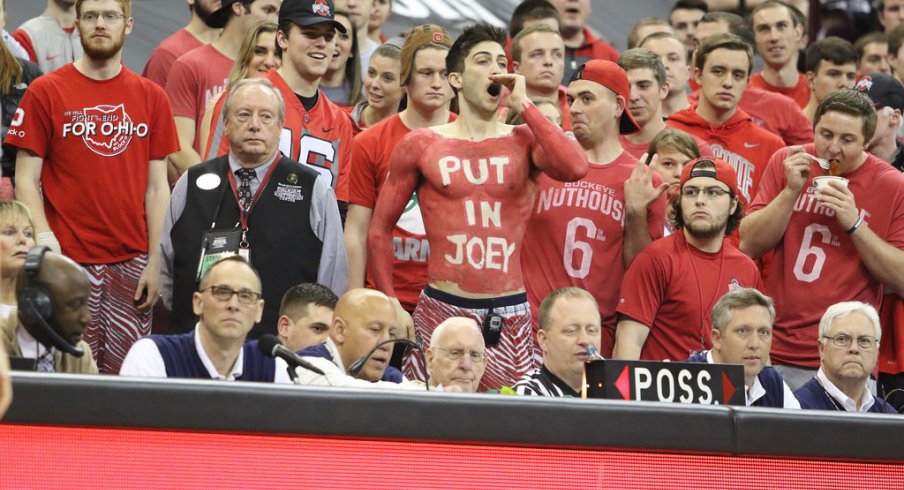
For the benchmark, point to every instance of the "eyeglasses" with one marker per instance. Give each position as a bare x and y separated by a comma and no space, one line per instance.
110,17
709,192
865,342
224,293
456,354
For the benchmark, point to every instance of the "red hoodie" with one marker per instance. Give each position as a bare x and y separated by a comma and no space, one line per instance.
740,142
773,112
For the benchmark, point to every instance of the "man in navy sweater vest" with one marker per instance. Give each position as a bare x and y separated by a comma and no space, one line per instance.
742,334
849,335
228,303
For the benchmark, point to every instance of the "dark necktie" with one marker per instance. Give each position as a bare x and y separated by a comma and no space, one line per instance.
245,175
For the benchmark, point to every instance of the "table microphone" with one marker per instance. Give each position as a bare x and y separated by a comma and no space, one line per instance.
270,345
354,369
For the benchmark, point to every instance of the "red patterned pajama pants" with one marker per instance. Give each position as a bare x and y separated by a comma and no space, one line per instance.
116,323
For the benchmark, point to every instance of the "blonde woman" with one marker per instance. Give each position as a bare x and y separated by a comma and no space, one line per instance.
16,239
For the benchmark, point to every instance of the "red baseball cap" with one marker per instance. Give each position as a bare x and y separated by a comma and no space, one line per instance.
723,172
614,78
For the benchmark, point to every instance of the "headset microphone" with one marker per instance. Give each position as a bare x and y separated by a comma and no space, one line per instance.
36,303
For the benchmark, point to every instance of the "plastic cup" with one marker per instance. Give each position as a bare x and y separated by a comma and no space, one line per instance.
822,182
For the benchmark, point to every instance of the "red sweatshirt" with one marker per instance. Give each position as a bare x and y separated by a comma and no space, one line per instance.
774,112
740,142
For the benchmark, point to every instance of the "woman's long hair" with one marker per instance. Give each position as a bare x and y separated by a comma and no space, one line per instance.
10,69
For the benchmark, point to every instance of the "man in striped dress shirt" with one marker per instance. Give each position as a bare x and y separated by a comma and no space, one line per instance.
569,322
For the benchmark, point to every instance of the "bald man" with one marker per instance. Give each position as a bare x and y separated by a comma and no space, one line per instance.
456,358
363,320
67,286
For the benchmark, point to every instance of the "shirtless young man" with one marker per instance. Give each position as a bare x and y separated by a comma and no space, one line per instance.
476,179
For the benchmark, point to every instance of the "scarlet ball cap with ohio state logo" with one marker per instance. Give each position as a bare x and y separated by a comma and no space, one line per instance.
306,13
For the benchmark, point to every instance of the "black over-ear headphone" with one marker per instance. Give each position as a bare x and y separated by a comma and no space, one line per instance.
35,303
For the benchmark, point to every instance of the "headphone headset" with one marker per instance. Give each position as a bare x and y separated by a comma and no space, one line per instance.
36,302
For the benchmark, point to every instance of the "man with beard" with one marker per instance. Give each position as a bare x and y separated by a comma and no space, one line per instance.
202,73
51,39
584,234
672,285
94,137
194,35
476,181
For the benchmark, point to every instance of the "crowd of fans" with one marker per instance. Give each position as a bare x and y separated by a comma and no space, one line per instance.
473,214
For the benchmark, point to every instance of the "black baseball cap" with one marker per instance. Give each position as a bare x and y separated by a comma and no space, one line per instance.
884,90
220,16
309,12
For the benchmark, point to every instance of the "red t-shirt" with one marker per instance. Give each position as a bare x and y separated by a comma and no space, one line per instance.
195,78
321,137
370,165
774,112
671,287
800,93
96,138
158,66
739,142
816,264
575,237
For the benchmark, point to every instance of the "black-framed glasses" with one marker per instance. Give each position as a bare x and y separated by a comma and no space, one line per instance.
692,192
456,354
224,293
865,342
